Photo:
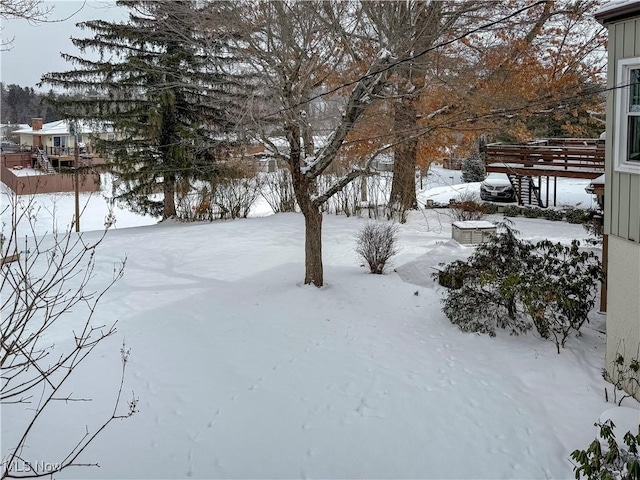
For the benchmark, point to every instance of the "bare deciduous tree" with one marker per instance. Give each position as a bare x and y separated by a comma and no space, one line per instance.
46,286
295,48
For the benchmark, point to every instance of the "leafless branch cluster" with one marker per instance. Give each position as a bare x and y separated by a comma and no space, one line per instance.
376,244
46,282
33,11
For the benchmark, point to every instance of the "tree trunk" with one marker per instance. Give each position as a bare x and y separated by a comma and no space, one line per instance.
169,190
313,247
403,185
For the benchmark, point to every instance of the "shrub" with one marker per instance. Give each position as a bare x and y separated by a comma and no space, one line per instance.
515,285
490,208
575,215
552,214
376,244
615,462
487,299
532,212
559,293
625,377
234,197
466,207
475,310
594,224
277,190
512,211
453,275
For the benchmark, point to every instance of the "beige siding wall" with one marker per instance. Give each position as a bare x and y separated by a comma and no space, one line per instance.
622,200
623,304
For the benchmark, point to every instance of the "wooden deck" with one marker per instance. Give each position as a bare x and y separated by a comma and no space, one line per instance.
574,158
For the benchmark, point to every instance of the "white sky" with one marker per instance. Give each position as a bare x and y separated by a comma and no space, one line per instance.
36,48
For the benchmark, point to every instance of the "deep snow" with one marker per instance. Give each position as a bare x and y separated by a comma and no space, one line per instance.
243,372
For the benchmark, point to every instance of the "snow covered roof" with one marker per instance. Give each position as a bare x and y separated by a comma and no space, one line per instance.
617,10
473,224
598,181
60,127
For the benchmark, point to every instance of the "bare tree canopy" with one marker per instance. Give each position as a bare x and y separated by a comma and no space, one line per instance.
33,11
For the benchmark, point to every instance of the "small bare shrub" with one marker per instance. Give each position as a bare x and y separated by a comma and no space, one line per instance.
466,207
234,197
277,190
376,244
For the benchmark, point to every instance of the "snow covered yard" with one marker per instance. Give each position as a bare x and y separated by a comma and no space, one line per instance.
242,372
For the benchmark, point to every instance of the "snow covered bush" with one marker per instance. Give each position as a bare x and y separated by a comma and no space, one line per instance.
515,285
488,297
376,244
619,462
482,311
559,292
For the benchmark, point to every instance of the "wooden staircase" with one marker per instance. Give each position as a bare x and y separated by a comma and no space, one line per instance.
44,163
527,192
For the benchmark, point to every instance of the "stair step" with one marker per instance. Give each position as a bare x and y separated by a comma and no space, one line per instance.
526,190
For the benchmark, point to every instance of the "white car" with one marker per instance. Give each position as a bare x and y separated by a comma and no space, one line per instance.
497,186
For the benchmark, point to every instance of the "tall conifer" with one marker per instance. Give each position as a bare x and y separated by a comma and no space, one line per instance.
167,82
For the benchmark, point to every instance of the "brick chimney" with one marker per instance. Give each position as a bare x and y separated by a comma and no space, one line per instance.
36,123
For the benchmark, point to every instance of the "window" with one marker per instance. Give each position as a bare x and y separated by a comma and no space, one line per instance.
627,140
59,141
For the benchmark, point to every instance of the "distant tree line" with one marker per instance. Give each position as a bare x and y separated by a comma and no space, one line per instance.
21,104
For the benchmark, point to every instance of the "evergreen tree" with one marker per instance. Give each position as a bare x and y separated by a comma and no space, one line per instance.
165,83
473,168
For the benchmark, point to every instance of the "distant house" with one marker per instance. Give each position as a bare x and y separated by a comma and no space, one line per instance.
47,155
57,138
7,129
622,183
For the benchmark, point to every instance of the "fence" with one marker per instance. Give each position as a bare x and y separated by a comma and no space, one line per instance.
50,183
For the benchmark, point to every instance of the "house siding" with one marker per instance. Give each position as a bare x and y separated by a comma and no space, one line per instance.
622,218
622,204
623,305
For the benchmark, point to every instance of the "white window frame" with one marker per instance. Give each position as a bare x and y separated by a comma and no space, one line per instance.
620,154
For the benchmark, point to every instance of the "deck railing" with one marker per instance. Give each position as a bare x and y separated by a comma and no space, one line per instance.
65,151
575,155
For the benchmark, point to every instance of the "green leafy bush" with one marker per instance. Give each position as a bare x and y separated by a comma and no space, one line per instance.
532,212
515,285
512,211
575,215
490,207
552,214
614,462
559,294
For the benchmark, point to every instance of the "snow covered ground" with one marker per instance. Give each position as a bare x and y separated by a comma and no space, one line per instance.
243,372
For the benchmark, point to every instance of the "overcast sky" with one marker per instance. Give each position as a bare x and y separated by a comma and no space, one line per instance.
36,49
